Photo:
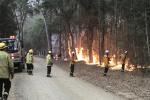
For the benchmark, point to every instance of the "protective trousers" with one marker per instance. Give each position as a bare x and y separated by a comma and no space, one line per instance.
48,70
106,70
29,68
71,69
123,66
7,85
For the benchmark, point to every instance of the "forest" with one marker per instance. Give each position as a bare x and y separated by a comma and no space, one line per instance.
88,27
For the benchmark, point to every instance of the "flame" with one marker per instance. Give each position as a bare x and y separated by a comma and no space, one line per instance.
82,55
79,53
118,66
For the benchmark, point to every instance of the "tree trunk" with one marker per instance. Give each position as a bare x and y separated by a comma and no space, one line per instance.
60,38
46,31
70,34
90,42
115,29
146,33
101,29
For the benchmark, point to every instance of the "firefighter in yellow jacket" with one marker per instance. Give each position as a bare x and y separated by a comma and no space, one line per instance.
49,63
29,62
72,62
106,62
6,72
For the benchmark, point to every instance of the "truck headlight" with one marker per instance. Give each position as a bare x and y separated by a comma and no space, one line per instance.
12,57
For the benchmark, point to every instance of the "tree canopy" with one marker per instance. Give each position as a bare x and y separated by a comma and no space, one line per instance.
8,25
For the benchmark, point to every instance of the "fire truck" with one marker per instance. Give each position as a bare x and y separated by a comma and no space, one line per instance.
16,52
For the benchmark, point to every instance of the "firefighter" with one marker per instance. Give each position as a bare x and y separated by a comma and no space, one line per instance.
6,72
106,62
29,62
49,63
123,58
72,62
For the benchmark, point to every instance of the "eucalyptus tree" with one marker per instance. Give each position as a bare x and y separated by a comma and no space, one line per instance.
101,6
131,28
8,25
137,24
147,19
89,21
22,9
33,32
64,9
122,24
47,12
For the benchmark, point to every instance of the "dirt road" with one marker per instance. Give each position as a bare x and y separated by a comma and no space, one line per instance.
59,87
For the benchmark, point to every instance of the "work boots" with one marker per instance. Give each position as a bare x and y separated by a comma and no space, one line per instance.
48,75
71,74
5,96
30,72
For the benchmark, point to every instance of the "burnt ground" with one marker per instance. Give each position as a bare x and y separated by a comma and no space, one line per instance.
133,85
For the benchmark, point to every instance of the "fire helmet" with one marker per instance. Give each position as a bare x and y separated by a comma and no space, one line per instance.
31,51
126,52
73,52
49,52
2,45
106,51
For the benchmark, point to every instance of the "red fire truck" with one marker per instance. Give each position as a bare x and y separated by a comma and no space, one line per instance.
15,50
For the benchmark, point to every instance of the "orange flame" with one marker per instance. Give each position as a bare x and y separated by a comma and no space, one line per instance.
83,56
79,53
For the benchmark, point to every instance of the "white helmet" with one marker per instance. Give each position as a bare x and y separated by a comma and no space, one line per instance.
106,51
49,51
31,51
126,51
72,52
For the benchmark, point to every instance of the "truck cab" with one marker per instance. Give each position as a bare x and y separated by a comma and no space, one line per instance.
15,51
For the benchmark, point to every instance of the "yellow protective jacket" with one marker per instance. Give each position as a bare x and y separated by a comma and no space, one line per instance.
6,65
29,58
106,60
72,61
49,60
